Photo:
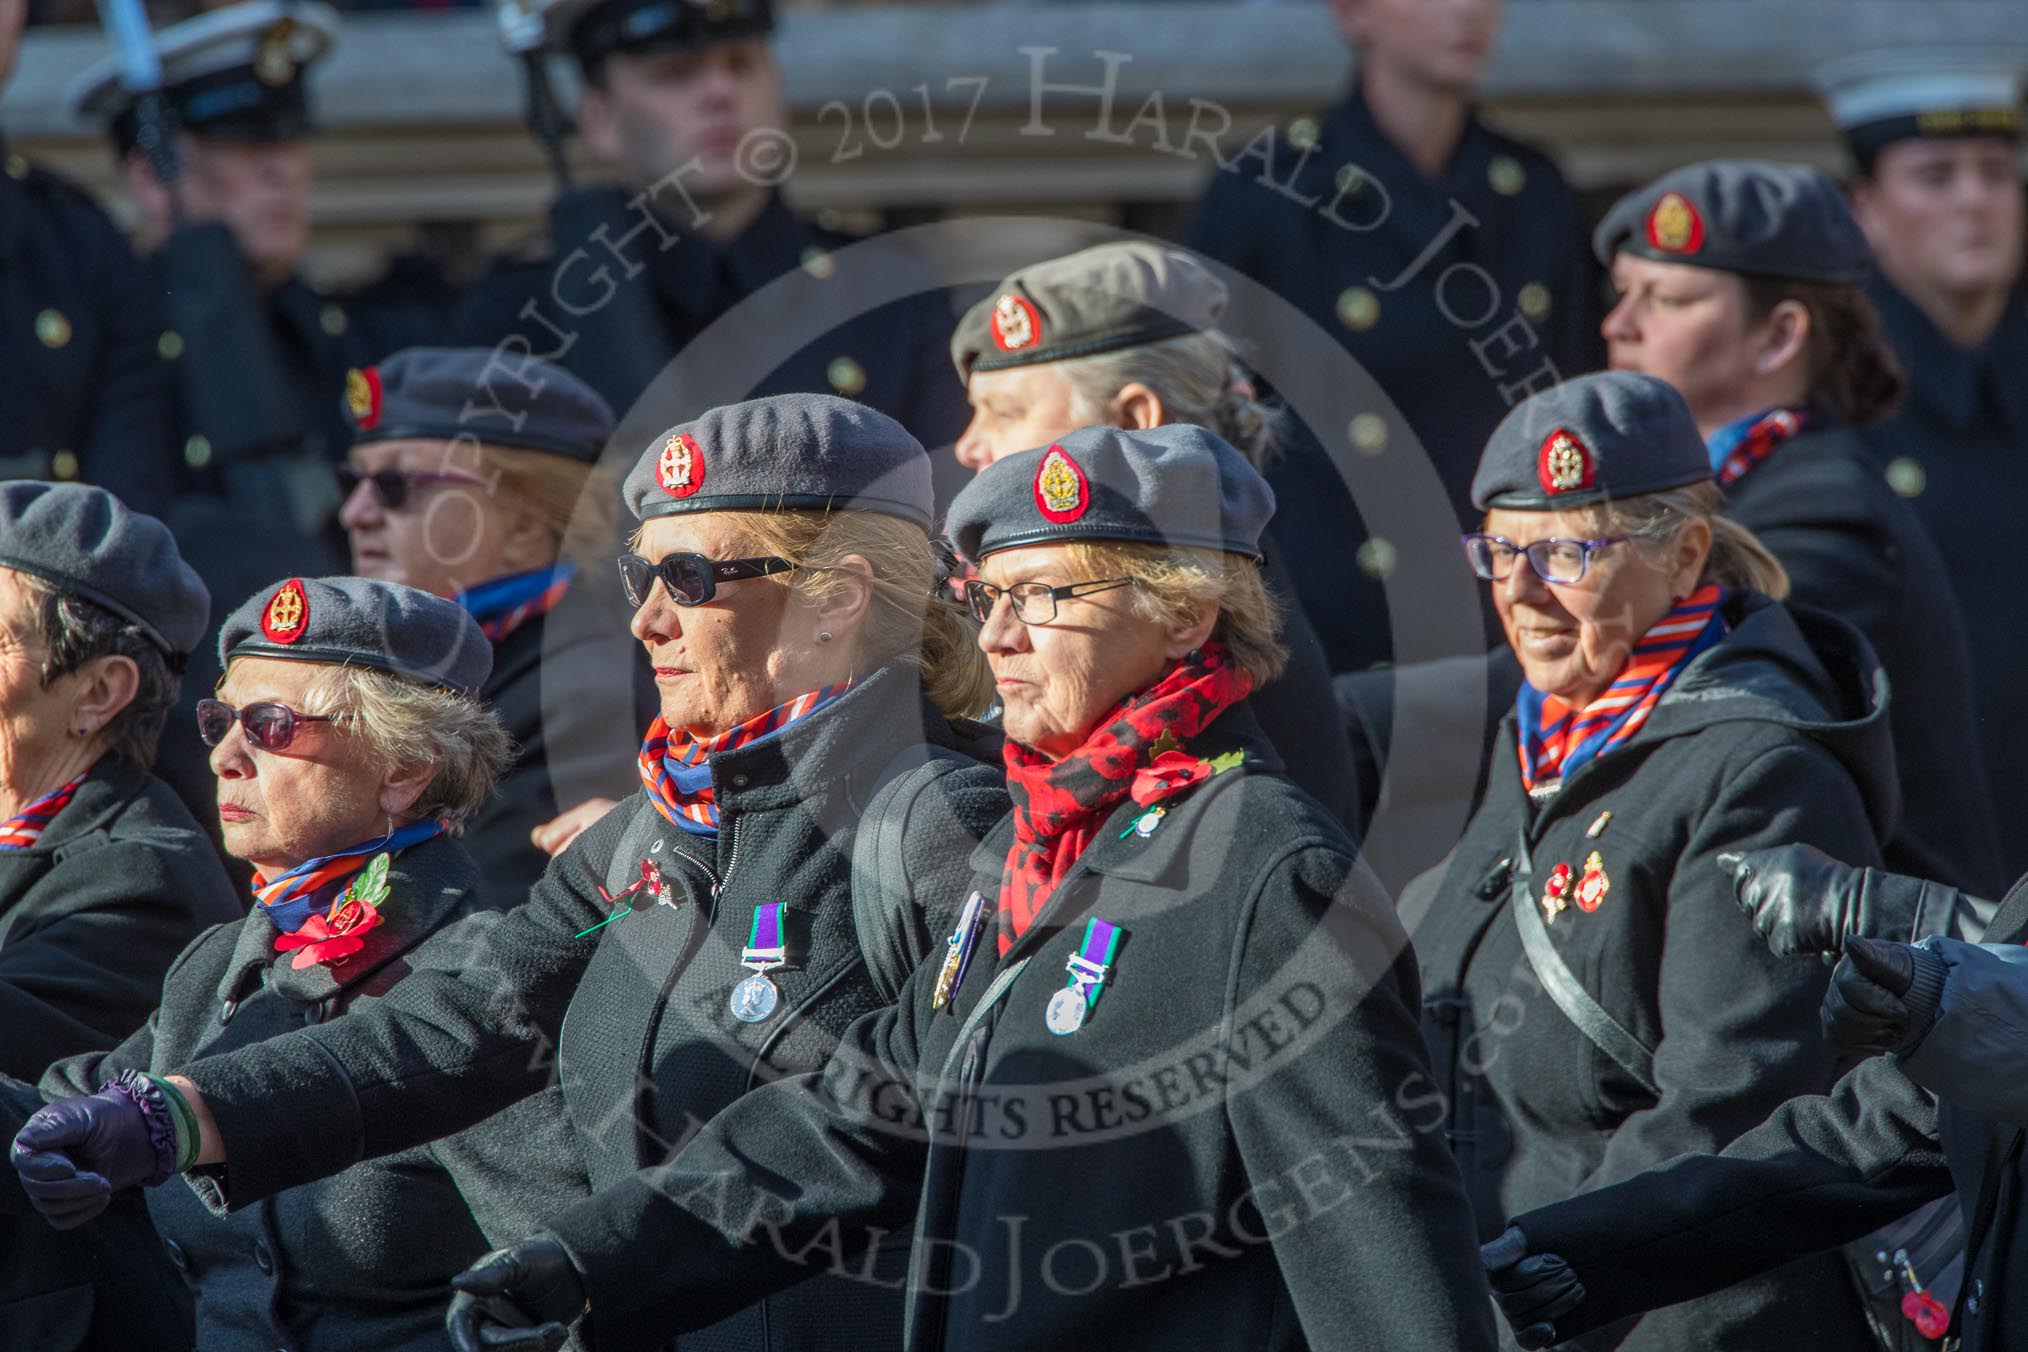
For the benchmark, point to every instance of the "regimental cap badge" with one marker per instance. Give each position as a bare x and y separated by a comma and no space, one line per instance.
1061,491
287,614
362,396
1564,464
1015,325
680,471
275,62
1674,225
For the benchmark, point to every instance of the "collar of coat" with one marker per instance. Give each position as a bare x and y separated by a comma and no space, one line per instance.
1958,386
693,274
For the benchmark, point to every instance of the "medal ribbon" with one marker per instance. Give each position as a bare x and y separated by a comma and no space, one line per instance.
291,899
1743,443
764,948
25,827
506,603
1094,959
963,943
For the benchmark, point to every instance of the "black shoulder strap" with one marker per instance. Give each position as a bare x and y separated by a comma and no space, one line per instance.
885,915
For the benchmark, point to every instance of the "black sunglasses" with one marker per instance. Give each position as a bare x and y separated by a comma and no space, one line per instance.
690,579
393,486
267,725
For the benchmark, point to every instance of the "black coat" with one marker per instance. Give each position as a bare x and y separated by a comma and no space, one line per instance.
1851,547
632,1019
1775,735
1528,238
91,916
1821,1171
1295,708
79,326
1958,448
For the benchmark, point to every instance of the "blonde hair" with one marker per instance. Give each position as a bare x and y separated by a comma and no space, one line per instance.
1651,522
403,723
1174,586
1198,378
906,620
560,489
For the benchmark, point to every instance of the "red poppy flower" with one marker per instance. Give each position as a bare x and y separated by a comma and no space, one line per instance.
1164,775
332,938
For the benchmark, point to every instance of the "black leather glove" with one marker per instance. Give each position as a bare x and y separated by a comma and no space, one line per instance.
1534,1290
1804,901
518,1299
69,1145
1883,997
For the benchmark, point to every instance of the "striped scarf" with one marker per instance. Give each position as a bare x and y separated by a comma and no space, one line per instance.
25,827
676,767
506,603
305,890
1741,444
1556,739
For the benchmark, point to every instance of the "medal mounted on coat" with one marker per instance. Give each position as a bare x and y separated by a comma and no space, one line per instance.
1089,967
757,997
959,948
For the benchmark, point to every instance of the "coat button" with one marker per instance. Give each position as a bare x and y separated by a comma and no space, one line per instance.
741,781
1507,175
263,1259
1907,477
179,1259
1358,308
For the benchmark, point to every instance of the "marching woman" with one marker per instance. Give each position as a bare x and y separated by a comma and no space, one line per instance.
707,935
349,747
1126,335
1740,284
1152,1095
465,476
1595,1000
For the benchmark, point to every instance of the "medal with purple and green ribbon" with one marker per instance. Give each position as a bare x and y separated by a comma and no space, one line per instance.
1088,966
756,997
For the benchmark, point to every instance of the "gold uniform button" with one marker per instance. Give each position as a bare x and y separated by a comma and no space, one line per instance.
333,320
1907,477
1506,175
17,168
197,451
1368,434
847,376
817,262
1534,301
64,464
170,345
1358,308
52,329
1351,180
1303,133
1377,558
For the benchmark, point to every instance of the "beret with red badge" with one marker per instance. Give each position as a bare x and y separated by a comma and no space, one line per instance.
1751,216
1611,435
360,622
446,393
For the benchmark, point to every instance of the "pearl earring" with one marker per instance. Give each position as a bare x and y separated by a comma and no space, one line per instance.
823,636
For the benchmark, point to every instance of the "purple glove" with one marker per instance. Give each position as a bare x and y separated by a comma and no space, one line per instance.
105,1137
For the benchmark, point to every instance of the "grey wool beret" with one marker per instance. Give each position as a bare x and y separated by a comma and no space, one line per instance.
432,393
357,622
1177,485
1599,437
1096,300
793,451
1756,216
85,541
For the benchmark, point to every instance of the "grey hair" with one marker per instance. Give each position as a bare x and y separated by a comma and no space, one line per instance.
404,723
1652,521
1199,379
74,631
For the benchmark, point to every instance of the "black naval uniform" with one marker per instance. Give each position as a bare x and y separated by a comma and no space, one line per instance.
1821,1171
649,1049
892,358
1528,238
1958,448
79,335
1775,735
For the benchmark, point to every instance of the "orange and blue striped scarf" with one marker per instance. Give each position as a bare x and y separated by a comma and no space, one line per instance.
1556,739
506,603
25,827
290,899
676,767
1740,445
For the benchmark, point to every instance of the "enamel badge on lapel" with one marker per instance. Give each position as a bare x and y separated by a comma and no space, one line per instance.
1088,968
958,953
1556,893
1593,886
757,997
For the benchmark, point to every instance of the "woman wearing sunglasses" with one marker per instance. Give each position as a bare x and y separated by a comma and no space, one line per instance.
465,476
1594,998
707,935
349,748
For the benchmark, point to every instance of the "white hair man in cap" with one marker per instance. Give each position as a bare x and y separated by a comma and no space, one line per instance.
673,92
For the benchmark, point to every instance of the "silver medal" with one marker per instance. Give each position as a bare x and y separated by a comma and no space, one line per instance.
1066,1011
754,998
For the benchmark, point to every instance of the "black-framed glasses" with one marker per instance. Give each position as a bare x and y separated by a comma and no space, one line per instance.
1556,561
268,725
1033,602
393,487
691,579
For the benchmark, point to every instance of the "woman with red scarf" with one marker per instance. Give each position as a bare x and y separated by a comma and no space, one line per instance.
1595,1000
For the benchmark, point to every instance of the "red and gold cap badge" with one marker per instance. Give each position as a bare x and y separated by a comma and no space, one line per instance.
362,396
288,613
1016,324
1674,225
1062,493
1564,464
680,471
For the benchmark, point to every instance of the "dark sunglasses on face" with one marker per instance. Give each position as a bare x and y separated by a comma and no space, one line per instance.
393,486
267,725
690,579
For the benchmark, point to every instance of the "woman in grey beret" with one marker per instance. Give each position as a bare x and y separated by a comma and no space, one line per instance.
809,796
1126,335
1595,1000
350,750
